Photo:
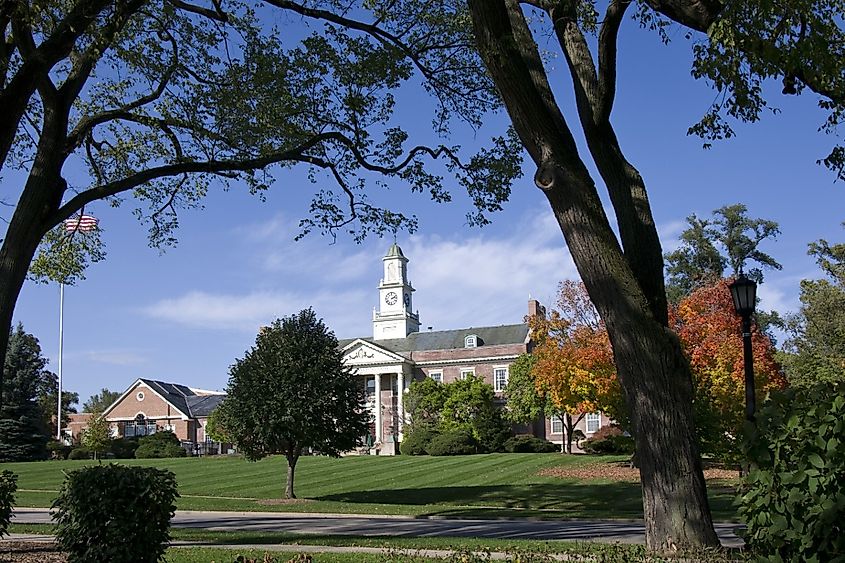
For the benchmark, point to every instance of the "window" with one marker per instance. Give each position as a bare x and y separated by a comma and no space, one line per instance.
500,378
466,372
140,396
371,387
557,425
471,341
436,376
593,422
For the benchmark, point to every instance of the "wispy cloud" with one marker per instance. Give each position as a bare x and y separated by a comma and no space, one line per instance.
478,280
115,357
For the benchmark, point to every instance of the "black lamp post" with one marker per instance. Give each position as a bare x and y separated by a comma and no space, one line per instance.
744,294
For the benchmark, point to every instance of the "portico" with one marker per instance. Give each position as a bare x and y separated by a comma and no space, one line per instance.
385,376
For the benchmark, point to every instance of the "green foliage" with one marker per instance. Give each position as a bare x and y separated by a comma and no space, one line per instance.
291,392
123,448
454,442
58,450
96,436
115,513
99,402
470,404
23,436
793,499
79,453
417,439
708,246
524,404
8,486
215,427
529,444
162,444
815,350
424,401
609,440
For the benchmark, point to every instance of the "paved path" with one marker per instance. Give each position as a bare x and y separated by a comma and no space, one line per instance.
404,526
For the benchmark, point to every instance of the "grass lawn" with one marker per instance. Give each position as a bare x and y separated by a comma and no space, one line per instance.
491,485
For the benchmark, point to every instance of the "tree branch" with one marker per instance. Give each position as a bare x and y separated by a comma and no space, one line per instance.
217,14
608,36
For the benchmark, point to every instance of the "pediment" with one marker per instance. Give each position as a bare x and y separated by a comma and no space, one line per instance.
361,352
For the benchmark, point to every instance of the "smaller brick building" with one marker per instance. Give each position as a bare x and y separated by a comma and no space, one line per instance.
148,406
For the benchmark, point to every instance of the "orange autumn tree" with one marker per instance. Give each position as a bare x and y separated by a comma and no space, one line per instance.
709,329
573,367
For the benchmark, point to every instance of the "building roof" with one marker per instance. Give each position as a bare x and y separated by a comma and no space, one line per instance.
450,339
184,398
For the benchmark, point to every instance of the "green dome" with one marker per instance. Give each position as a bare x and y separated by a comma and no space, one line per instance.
393,251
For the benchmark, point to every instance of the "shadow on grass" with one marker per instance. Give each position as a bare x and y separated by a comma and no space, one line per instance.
578,500
611,500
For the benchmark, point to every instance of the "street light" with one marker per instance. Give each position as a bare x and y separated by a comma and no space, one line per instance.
744,294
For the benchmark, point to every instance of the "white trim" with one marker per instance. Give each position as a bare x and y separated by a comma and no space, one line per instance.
360,341
465,371
464,360
438,372
471,341
586,422
507,378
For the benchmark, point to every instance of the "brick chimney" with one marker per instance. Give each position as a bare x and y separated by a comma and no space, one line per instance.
534,308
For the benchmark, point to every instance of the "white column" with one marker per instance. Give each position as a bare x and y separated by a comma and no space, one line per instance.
378,407
400,406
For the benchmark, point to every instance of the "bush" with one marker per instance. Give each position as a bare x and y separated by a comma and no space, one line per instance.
491,431
793,499
123,448
79,453
417,440
58,450
608,440
159,445
454,442
524,444
8,487
115,513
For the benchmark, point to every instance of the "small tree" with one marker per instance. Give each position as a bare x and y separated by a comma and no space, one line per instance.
99,402
291,391
96,437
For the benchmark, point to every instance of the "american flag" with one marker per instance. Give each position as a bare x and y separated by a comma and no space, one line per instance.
82,223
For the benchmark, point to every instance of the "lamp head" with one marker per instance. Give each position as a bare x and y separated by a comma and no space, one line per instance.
744,294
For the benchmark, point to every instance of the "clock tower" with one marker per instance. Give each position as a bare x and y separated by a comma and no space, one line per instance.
393,318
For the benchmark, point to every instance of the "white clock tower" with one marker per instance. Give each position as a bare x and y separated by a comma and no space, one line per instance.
393,318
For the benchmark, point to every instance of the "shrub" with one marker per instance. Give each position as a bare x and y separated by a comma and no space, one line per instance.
454,442
123,448
793,499
608,440
8,487
159,445
115,513
417,440
491,431
529,444
58,450
79,453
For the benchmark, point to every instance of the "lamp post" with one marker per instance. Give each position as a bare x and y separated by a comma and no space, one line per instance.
744,294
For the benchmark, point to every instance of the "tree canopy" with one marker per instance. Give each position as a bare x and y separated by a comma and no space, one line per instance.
99,402
815,349
291,393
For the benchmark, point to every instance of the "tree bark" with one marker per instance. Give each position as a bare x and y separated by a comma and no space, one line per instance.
292,459
625,286
567,425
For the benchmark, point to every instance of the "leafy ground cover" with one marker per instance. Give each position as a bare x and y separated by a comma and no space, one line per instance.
479,486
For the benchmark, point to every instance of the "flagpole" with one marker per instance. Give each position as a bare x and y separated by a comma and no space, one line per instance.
61,342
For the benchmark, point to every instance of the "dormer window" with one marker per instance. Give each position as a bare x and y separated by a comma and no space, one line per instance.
471,341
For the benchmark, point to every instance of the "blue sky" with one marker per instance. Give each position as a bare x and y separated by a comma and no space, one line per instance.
184,316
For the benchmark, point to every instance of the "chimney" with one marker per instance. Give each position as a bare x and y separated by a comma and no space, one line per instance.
534,308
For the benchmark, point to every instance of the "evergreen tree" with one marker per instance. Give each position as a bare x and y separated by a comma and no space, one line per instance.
23,436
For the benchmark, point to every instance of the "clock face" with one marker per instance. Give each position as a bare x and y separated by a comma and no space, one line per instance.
391,298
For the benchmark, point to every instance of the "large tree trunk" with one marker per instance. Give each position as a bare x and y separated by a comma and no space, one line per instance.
625,286
568,427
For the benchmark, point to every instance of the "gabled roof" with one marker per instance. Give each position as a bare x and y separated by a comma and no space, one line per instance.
450,339
184,399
